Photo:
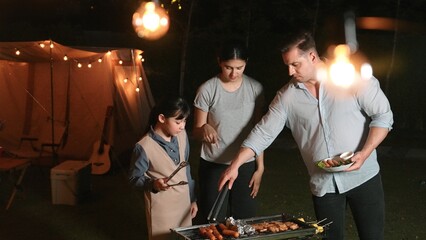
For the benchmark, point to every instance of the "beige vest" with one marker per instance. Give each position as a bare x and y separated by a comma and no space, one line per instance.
166,209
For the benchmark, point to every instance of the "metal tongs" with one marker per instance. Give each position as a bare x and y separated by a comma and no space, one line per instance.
181,165
179,183
214,212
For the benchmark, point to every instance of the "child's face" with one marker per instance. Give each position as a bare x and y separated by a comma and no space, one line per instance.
174,126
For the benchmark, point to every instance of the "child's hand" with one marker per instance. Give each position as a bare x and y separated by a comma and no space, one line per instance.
160,184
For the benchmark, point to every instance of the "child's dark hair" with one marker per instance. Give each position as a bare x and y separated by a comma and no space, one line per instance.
232,49
170,107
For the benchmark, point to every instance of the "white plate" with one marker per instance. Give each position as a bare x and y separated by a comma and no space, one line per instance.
344,156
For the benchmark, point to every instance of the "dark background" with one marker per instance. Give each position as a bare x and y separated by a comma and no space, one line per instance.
185,57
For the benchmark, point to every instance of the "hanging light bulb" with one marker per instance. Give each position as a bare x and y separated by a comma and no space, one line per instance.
348,63
65,58
342,71
150,21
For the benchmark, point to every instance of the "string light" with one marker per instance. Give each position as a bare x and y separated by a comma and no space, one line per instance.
81,62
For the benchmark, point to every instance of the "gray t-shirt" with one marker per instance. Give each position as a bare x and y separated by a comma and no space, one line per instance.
231,114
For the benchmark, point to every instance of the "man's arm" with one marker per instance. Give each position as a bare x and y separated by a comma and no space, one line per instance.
375,136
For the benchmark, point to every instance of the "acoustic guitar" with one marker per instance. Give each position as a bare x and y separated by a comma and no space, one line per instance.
100,158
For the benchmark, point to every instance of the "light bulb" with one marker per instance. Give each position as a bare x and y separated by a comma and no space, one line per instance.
342,71
150,21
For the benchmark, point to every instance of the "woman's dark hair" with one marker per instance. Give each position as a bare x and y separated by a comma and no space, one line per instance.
300,38
232,49
170,107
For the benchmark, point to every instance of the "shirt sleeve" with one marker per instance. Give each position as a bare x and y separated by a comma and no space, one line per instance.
138,167
271,124
191,182
375,104
203,97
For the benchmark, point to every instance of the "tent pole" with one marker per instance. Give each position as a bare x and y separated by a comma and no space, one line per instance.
54,155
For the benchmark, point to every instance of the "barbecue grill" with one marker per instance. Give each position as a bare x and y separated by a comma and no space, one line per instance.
305,230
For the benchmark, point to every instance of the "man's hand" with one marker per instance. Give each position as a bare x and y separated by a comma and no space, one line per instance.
230,174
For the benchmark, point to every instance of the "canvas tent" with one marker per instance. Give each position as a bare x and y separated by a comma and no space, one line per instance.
46,80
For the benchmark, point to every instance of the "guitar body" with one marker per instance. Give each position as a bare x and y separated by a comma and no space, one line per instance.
100,161
100,158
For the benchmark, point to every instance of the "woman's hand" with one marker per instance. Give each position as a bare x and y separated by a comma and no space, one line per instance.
255,181
209,134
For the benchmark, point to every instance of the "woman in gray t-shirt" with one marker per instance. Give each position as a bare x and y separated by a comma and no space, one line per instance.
227,107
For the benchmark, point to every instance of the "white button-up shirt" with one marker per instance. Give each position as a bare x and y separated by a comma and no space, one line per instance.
336,122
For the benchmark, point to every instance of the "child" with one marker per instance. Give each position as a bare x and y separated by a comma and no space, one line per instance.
155,157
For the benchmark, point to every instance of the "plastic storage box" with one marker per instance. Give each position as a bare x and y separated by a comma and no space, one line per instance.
71,182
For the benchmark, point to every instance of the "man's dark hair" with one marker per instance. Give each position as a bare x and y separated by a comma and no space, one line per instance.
301,39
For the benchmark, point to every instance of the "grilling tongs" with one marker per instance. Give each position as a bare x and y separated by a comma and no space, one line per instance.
181,165
214,212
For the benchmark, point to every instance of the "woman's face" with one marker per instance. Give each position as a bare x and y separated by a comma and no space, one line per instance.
232,70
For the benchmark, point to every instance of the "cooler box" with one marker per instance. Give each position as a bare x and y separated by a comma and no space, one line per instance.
70,182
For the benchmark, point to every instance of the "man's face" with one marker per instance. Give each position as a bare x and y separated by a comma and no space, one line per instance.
300,64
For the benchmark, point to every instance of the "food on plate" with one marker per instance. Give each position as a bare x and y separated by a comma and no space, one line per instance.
337,161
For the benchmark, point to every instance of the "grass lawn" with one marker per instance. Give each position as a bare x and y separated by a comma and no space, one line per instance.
115,211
